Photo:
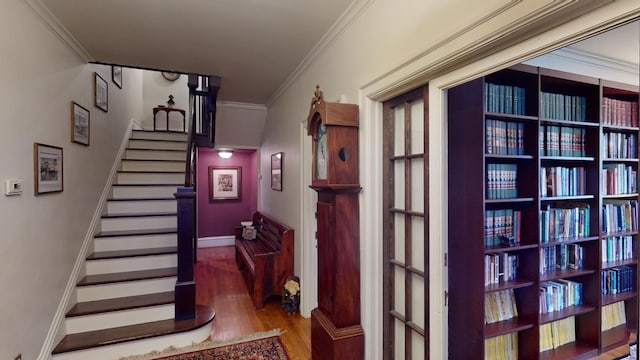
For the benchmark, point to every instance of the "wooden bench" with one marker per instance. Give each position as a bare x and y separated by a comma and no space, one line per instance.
267,261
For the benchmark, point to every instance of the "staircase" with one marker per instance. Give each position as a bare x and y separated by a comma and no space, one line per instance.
126,299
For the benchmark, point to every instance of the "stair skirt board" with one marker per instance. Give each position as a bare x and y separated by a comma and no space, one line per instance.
140,206
134,242
142,191
106,266
138,223
152,165
139,347
78,324
123,289
142,178
157,145
133,154
157,135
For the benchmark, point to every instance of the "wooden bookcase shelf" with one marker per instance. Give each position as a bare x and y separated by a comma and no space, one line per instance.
543,174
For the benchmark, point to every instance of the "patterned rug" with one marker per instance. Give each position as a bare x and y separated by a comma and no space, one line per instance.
260,346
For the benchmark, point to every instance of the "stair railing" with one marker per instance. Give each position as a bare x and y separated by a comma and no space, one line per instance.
203,92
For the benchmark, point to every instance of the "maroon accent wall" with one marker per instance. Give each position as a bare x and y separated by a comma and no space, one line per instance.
218,218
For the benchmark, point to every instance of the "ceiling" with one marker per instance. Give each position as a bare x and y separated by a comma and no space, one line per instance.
253,45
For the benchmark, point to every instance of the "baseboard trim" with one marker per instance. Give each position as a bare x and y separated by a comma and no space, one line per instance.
216,241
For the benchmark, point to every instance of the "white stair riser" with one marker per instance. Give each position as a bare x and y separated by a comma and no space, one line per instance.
159,135
143,192
164,145
152,165
155,155
106,266
123,289
149,178
139,347
101,321
140,206
134,242
138,223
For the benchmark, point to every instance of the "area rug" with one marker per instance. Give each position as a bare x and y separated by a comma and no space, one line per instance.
259,346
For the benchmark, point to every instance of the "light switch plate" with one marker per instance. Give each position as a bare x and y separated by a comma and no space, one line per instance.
12,187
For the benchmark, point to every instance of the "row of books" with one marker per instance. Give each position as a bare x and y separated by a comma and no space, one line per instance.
619,216
617,280
504,137
502,227
562,181
617,248
557,333
500,267
503,347
557,224
561,257
613,315
619,112
620,145
563,107
504,99
559,294
502,181
499,306
562,141
619,179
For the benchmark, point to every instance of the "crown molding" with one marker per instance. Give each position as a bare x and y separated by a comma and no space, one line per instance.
597,61
355,9
56,27
239,105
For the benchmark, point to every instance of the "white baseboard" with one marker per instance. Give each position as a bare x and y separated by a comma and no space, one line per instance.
216,241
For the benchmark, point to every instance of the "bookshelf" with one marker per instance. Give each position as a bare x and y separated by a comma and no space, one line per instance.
543,197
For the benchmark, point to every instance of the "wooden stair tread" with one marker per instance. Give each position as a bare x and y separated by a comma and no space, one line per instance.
127,276
140,214
116,254
123,303
145,149
159,160
142,199
91,339
149,172
163,140
135,232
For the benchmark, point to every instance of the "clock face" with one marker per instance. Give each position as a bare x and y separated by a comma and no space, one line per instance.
321,152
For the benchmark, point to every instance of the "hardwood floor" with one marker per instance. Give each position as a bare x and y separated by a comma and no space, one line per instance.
220,285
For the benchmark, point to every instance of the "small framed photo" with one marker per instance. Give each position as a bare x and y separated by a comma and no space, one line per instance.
47,169
249,233
276,171
100,93
116,75
225,182
80,124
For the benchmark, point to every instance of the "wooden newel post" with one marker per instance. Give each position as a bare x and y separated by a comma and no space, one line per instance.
185,290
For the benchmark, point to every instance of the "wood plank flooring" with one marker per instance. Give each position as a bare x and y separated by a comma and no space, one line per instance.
220,285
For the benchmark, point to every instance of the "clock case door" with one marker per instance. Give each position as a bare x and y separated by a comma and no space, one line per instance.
341,124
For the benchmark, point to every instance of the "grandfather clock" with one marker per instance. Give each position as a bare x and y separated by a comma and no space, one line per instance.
336,332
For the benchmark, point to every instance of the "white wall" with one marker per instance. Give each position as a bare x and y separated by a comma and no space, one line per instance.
41,235
388,49
156,92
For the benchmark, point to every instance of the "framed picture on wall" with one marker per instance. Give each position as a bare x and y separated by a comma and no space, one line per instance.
100,93
47,168
225,182
80,124
116,75
276,171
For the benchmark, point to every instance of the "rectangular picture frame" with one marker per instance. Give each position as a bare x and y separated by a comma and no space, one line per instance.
80,124
225,183
100,92
48,169
276,171
116,75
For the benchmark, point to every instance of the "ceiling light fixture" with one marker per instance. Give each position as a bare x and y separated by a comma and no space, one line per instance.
225,153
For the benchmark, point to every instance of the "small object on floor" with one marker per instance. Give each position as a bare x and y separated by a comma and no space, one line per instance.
291,295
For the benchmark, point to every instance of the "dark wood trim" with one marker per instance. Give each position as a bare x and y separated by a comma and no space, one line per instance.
100,279
135,232
137,215
119,304
101,255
